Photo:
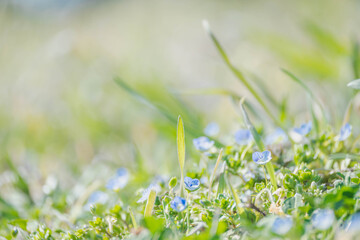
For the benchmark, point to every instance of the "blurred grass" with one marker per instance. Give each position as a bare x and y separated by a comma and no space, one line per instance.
61,112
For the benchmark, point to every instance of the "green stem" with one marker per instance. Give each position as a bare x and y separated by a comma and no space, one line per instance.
263,167
270,169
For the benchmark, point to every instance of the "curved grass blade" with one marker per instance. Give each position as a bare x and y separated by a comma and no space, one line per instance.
193,131
257,138
307,89
251,127
180,140
239,75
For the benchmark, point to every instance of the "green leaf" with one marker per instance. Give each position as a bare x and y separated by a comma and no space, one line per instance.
288,204
354,84
155,225
180,141
21,223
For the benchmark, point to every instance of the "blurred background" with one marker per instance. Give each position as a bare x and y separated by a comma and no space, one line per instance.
63,116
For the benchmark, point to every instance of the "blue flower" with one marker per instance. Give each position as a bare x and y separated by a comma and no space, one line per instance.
345,132
178,204
282,225
118,181
261,157
323,219
191,184
212,129
278,136
96,197
304,129
203,143
243,137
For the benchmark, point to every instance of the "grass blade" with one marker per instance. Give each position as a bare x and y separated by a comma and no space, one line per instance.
214,172
180,140
254,133
150,203
307,89
239,209
191,130
257,138
239,75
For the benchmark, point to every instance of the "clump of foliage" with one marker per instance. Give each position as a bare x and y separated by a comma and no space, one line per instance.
294,183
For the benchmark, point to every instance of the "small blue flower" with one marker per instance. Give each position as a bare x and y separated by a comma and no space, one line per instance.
261,157
191,184
212,129
118,181
345,132
96,197
304,129
278,136
243,137
323,219
203,143
178,204
282,225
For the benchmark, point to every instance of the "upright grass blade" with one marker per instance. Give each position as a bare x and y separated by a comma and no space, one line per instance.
269,166
239,75
180,140
132,218
222,181
214,172
150,203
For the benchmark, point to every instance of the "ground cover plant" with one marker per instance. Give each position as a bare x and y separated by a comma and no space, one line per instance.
294,182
